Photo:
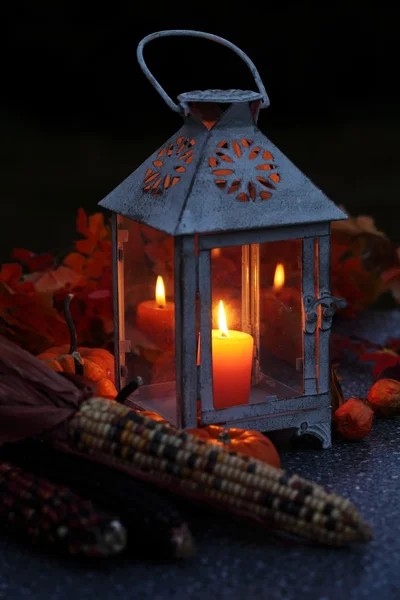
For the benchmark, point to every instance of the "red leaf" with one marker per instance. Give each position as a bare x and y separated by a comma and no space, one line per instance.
82,222
382,359
10,274
22,255
40,263
393,344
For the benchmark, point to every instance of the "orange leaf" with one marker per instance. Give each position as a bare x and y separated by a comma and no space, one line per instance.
11,273
75,261
53,281
82,222
382,359
95,265
97,227
86,246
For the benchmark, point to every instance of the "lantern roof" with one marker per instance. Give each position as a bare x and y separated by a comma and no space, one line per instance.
219,173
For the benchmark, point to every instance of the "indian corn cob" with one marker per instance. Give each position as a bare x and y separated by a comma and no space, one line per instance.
50,514
123,437
155,525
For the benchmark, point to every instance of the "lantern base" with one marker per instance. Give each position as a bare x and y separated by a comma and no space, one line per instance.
321,432
161,397
271,406
309,416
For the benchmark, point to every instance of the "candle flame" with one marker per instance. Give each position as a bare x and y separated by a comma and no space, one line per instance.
279,277
222,324
160,292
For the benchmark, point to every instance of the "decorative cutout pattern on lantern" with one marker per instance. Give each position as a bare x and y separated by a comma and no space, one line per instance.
230,168
169,166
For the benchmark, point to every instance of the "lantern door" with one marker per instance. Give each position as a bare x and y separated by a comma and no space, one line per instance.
258,289
144,312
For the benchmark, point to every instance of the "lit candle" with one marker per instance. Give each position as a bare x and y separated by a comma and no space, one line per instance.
156,318
232,358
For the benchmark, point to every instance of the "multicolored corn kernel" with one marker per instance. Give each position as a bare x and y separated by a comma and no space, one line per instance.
127,438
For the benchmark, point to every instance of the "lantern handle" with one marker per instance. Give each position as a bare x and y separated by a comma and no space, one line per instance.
200,34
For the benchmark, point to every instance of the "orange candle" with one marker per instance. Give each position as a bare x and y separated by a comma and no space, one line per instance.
232,359
156,318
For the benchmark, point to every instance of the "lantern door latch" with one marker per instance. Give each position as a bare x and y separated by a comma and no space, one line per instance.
329,305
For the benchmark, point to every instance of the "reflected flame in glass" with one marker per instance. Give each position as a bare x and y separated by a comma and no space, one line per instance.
279,277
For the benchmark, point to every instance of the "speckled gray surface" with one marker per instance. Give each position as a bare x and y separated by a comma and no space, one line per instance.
231,563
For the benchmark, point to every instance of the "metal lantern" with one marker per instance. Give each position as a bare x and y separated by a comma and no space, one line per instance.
221,256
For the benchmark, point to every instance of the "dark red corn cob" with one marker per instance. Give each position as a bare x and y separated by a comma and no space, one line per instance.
154,522
50,514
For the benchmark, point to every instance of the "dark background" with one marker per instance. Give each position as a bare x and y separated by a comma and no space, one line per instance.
77,114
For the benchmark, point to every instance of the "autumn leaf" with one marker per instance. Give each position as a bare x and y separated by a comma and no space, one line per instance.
350,279
11,274
53,281
393,344
30,320
33,262
93,226
76,262
82,222
21,255
382,359
354,226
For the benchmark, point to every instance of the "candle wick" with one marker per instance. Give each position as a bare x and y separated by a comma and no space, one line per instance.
223,335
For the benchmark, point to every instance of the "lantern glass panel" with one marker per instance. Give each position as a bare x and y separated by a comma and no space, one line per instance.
280,313
232,348
148,318
226,285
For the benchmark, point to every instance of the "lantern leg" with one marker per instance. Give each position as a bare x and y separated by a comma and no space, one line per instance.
185,331
322,432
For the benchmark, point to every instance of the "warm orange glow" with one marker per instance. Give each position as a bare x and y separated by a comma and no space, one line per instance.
222,324
160,292
216,252
279,277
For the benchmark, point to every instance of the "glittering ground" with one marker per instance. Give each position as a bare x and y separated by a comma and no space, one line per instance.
235,563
